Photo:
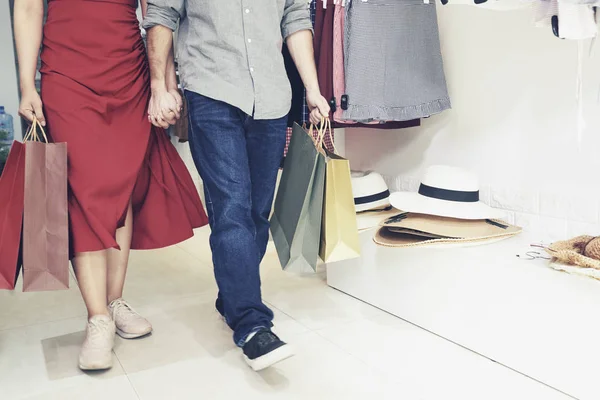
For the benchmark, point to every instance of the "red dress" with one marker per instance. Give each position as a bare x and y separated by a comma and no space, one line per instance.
95,90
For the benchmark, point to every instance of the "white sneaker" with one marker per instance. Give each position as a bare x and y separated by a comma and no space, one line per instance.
96,351
129,323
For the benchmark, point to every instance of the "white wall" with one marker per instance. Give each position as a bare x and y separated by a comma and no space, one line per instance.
9,95
513,121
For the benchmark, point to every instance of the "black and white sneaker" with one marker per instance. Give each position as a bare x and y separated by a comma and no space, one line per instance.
265,349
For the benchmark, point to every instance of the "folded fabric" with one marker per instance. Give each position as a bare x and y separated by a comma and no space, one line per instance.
568,19
544,10
576,22
595,3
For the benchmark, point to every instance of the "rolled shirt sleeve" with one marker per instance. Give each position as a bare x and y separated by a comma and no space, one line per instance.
163,12
296,17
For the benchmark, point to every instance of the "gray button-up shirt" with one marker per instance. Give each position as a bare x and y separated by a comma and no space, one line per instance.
230,50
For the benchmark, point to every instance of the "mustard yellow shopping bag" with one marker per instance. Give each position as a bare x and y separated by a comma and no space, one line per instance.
339,230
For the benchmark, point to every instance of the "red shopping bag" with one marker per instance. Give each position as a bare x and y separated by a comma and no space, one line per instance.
12,188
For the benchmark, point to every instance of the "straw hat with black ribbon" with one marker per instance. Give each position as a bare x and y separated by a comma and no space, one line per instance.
370,191
446,192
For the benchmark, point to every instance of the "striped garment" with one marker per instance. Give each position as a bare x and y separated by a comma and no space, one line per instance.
339,84
393,62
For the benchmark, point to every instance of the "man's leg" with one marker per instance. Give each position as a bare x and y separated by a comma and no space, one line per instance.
218,143
265,141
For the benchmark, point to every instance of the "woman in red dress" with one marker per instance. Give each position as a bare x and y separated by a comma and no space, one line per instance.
128,187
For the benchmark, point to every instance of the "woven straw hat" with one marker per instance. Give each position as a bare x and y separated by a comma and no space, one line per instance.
583,251
372,219
409,230
370,191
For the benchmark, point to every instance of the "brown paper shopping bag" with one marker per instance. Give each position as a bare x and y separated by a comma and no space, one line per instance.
45,215
339,230
11,215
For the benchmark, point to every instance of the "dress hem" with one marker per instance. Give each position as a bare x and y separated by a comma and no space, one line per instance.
384,113
142,248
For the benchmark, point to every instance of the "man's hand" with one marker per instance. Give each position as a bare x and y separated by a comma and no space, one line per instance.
171,81
165,104
163,109
178,100
318,106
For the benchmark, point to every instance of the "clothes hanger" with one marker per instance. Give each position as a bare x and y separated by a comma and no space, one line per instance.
535,255
555,26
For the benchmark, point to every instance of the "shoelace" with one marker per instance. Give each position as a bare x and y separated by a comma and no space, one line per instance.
97,332
122,309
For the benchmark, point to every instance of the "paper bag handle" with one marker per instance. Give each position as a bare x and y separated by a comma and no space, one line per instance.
326,129
32,134
320,133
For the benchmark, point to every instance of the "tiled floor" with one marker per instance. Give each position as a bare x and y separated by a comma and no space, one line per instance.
346,349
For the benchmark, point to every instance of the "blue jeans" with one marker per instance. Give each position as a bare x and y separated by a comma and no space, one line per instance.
238,158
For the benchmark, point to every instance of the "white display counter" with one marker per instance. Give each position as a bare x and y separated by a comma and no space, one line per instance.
542,323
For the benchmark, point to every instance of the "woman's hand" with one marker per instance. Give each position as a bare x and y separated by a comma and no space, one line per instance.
31,106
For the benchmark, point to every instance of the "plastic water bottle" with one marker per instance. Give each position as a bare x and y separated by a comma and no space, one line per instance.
7,133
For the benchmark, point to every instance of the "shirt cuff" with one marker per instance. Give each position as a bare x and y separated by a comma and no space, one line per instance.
164,16
295,22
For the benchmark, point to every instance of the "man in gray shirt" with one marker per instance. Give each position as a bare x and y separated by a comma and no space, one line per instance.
238,94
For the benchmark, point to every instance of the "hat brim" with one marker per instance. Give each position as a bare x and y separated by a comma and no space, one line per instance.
384,237
416,203
370,220
374,205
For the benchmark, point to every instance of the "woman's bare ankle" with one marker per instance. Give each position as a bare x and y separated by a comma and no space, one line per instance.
95,313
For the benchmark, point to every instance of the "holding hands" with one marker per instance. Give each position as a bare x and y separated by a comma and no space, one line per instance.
165,107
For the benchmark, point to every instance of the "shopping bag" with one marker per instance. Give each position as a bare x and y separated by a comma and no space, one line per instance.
339,230
45,216
12,183
296,219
